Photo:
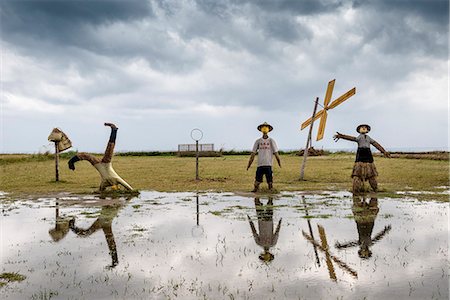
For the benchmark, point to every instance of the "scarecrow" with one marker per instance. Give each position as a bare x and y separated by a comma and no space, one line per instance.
365,214
104,166
266,148
103,222
364,168
266,238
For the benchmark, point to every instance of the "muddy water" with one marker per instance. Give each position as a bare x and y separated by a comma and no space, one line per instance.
224,246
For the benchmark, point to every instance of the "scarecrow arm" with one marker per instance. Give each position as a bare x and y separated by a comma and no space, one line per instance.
278,158
382,233
82,156
277,232
338,136
250,161
381,149
252,226
85,232
346,245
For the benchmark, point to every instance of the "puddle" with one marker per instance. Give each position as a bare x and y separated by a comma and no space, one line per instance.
223,246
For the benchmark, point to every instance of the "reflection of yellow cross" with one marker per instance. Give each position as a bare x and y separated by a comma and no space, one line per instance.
323,246
323,113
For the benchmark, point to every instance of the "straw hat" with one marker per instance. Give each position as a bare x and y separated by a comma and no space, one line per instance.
265,124
359,126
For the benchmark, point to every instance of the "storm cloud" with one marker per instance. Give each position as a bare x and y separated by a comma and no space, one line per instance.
176,65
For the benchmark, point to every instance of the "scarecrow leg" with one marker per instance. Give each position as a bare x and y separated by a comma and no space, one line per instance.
256,188
125,184
269,178
111,143
103,185
358,184
373,183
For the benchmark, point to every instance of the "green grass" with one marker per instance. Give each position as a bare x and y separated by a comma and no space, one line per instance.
8,277
28,174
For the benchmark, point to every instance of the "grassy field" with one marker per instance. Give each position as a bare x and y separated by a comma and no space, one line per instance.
35,174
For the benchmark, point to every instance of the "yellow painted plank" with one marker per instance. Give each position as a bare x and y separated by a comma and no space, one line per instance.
308,122
342,98
321,131
328,93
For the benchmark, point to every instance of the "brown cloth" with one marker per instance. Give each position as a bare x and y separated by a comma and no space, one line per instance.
364,170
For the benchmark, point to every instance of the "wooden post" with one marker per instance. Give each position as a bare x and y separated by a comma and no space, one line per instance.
56,161
198,211
196,160
310,230
308,141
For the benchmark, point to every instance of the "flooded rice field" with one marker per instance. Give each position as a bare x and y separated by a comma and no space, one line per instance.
225,246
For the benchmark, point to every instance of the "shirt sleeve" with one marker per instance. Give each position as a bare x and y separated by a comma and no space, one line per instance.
256,146
371,140
274,146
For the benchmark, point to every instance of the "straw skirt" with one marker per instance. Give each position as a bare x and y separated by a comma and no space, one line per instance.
364,170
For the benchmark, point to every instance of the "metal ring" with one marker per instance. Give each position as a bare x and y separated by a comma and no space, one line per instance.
196,133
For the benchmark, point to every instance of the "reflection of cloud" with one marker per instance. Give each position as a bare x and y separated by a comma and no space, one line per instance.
167,254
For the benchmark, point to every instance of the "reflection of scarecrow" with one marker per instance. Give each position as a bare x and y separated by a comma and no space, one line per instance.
266,238
61,226
104,222
365,214
364,168
103,166
266,148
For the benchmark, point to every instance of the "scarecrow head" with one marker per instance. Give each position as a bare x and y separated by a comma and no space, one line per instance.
266,256
363,128
364,252
265,128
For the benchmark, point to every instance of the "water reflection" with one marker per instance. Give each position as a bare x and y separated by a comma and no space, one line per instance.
103,222
324,247
164,261
61,226
266,238
365,212
197,230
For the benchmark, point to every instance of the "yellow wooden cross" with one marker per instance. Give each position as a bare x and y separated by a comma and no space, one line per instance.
323,113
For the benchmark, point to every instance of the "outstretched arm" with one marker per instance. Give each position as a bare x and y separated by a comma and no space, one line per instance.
346,245
85,232
82,156
381,149
381,234
338,136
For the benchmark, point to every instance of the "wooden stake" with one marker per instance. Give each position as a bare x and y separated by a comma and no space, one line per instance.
196,160
198,210
308,220
308,141
56,161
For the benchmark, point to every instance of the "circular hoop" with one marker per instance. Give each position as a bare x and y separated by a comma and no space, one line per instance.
197,231
196,134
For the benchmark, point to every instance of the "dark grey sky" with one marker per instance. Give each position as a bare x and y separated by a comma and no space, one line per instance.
160,68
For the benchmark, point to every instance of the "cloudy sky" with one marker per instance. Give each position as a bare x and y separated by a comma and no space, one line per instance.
161,68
